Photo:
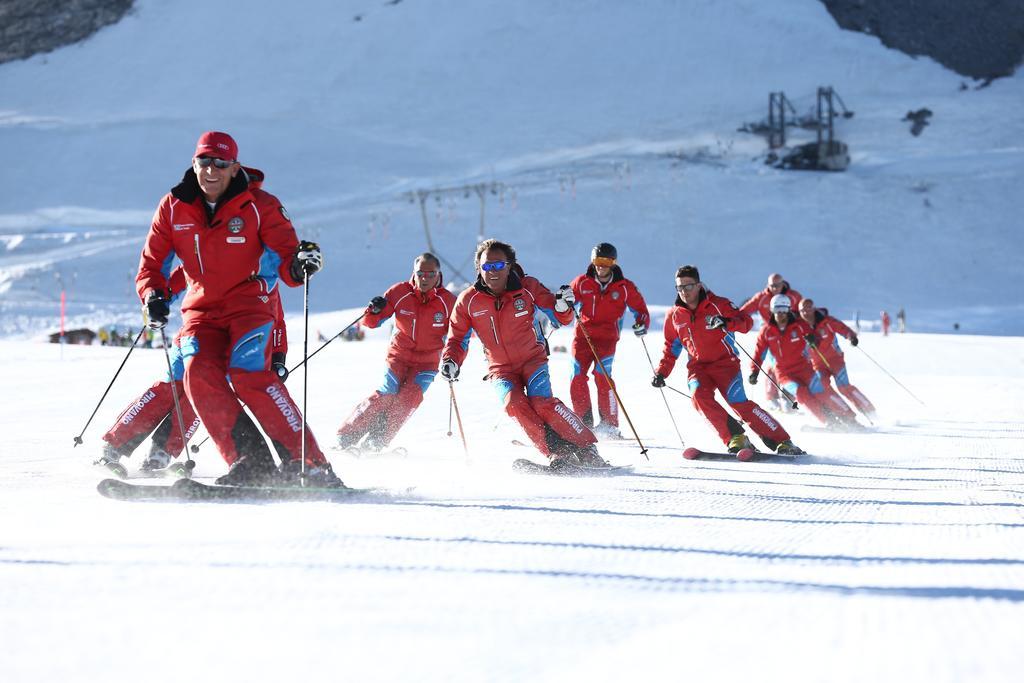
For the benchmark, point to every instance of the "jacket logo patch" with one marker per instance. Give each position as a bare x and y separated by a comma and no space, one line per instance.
479,313
405,312
439,317
615,296
236,224
519,304
184,226
236,239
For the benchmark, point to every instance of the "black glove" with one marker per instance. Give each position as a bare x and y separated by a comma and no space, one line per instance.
659,380
157,310
854,340
564,298
308,259
377,304
716,322
277,365
753,377
811,339
640,329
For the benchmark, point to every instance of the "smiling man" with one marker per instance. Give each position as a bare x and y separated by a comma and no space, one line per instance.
421,308
236,243
500,308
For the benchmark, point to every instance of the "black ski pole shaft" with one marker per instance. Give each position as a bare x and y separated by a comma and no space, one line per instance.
611,382
761,370
78,439
321,348
305,368
190,464
458,418
671,417
891,377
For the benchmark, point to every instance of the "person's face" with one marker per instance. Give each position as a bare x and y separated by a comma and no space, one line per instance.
688,289
781,317
426,274
807,311
213,181
775,283
496,280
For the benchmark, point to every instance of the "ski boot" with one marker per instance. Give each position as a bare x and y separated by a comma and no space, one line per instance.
564,460
787,447
250,470
317,476
605,431
741,447
589,457
109,459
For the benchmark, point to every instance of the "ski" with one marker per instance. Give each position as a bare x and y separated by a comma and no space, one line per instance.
744,455
530,467
358,452
190,490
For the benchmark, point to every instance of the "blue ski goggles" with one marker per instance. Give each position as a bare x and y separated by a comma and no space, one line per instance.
488,266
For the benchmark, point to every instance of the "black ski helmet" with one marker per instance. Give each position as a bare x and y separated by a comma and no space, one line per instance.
604,250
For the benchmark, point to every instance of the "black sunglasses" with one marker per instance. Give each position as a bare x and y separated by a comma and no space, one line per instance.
219,163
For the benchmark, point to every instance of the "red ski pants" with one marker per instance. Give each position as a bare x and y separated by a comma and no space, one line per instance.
147,411
725,377
549,424
387,409
579,391
239,348
852,393
819,398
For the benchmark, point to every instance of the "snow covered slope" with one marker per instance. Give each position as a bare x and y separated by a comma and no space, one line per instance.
889,556
597,121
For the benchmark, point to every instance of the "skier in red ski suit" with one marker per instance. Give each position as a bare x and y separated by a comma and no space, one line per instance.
235,241
788,339
500,309
760,303
827,358
602,296
421,307
704,324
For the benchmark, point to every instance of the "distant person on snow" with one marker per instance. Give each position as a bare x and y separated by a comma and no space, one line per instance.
787,338
421,307
886,322
826,356
901,321
704,324
235,242
500,309
760,302
602,296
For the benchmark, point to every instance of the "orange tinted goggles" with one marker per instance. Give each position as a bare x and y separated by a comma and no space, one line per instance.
604,262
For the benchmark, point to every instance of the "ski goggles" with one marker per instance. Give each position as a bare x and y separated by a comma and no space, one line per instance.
604,262
488,266
427,273
219,163
687,287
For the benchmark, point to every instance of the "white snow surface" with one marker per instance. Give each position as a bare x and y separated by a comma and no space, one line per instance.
896,555
594,121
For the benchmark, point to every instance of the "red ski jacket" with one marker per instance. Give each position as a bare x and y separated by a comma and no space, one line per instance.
505,324
421,322
233,256
761,302
602,308
826,330
792,357
688,329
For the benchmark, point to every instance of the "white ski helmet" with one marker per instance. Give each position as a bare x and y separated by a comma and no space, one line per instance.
781,303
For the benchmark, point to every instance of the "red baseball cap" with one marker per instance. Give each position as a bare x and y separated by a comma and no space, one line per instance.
218,145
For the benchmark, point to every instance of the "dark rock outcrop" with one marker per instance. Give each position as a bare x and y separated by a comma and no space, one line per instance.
28,27
983,39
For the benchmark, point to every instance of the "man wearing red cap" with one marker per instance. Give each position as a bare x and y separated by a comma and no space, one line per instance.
235,241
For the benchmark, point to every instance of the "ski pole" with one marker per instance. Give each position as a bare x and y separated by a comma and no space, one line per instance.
891,377
78,439
306,359
611,382
458,418
451,402
305,367
761,370
190,464
671,417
